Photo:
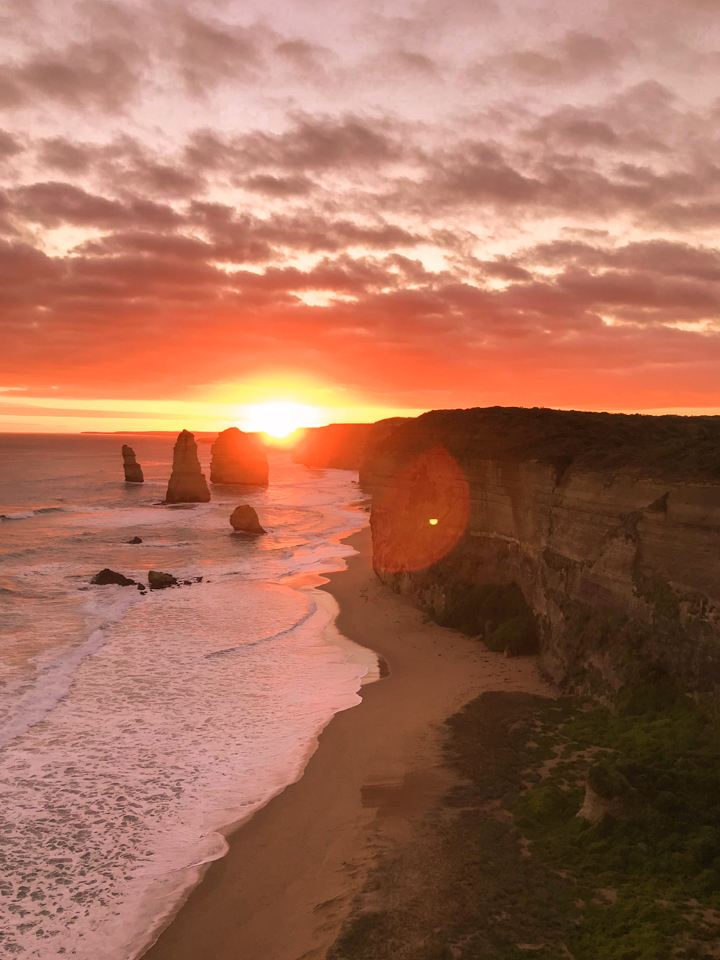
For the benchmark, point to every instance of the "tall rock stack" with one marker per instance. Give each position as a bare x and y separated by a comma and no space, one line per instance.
187,481
133,470
238,458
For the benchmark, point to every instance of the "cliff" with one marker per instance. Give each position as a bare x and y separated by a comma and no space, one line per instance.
133,470
344,446
238,458
337,445
594,538
187,481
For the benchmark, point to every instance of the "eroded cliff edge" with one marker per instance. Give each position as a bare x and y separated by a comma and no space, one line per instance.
595,536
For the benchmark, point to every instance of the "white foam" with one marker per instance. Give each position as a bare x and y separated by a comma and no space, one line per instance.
147,724
158,748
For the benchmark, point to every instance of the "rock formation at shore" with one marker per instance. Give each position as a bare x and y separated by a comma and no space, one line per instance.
343,446
133,470
108,576
187,481
159,580
593,537
237,457
245,520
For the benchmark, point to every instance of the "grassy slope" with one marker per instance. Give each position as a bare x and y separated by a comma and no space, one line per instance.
506,869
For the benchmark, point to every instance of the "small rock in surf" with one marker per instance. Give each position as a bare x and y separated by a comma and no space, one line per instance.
112,576
159,580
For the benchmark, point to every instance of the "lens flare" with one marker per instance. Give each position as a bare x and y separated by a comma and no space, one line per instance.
425,507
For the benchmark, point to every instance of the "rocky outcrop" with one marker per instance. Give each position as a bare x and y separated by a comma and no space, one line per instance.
338,445
344,446
133,470
108,576
237,457
378,433
187,481
245,520
595,537
159,580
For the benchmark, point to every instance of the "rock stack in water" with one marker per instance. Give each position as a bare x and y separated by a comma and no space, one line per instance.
133,470
187,481
245,520
238,458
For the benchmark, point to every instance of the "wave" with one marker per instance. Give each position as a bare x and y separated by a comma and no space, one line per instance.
256,643
55,676
29,514
50,686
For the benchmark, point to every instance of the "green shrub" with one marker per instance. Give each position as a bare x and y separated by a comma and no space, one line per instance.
514,637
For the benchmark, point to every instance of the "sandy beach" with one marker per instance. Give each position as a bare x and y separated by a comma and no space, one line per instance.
287,883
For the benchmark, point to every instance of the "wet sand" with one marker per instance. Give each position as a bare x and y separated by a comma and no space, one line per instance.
287,883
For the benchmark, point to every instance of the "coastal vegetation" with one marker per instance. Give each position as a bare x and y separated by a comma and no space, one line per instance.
506,867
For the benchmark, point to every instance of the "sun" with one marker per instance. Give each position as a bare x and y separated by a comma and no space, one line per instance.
280,419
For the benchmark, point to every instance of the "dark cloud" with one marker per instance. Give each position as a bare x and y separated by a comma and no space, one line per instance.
310,61
576,57
100,73
213,52
316,143
54,204
59,153
279,186
572,126
9,145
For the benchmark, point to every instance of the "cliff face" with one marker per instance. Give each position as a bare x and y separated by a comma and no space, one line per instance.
594,537
237,458
133,470
345,446
338,445
187,481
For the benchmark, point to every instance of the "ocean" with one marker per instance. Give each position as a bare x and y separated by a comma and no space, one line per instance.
135,729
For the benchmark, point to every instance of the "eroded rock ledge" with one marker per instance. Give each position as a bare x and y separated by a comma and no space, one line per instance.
595,537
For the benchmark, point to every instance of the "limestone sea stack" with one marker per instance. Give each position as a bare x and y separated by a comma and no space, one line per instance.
238,458
133,470
245,520
187,481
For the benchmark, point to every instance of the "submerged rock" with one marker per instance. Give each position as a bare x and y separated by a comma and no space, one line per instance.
187,481
133,470
107,576
135,540
159,580
245,520
238,458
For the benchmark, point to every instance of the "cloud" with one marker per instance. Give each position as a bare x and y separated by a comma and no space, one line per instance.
209,53
434,203
578,56
9,145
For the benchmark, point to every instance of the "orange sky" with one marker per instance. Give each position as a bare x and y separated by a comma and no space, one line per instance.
370,209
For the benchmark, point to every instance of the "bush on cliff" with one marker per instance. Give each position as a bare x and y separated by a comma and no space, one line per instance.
508,870
500,614
516,636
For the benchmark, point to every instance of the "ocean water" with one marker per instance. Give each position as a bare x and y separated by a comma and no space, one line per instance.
134,728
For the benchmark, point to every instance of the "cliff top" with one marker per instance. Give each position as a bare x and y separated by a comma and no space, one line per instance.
670,447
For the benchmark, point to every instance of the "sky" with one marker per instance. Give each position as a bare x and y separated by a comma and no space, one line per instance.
370,208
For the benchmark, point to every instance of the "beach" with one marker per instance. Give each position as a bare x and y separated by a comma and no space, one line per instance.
292,870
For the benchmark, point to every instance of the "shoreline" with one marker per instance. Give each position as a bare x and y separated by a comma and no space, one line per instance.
293,869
